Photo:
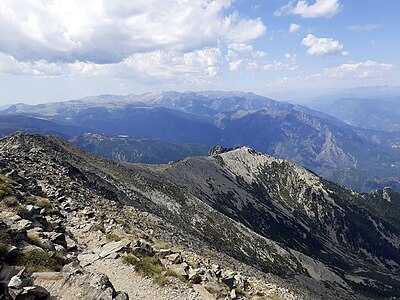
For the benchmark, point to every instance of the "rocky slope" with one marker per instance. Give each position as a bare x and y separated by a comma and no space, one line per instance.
235,225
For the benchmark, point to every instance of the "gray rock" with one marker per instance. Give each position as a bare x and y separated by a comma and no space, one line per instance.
57,238
71,244
25,224
142,248
180,270
87,259
233,294
20,280
112,247
175,258
215,289
121,296
29,293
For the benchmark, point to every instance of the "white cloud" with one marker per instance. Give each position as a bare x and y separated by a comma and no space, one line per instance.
360,70
234,65
145,39
243,53
39,69
196,66
323,46
242,47
364,27
102,31
294,27
320,8
289,64
252,66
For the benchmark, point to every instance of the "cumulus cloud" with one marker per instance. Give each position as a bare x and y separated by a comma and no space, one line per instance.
154,38
195,67
234,65
294,27
360,70
289,64
243,53
40,68
323,46
320,8
102,31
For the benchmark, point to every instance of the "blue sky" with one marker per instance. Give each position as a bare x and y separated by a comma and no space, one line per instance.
57,50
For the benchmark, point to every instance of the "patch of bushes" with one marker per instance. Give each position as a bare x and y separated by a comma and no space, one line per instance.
39,261
112,237
11,201
161,245
129,259
147,266
160,280
45,203
5,188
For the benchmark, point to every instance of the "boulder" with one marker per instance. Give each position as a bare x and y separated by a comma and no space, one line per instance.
87,259
181,270
29,293
113,247
142,248
57,238
215,289
20,280
121,296
175,258
71,244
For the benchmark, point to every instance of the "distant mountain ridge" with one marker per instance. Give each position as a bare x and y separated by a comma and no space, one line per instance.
380,114
358,158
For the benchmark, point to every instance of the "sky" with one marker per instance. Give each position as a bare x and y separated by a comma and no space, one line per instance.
54,50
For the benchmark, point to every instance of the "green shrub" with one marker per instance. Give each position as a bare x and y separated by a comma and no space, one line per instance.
112,237
148,266
160,280
129,259
44,203
161,245
39,261
11,201
5,189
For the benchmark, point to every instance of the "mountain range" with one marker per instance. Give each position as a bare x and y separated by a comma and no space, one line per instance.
362,159
269,215
379,114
